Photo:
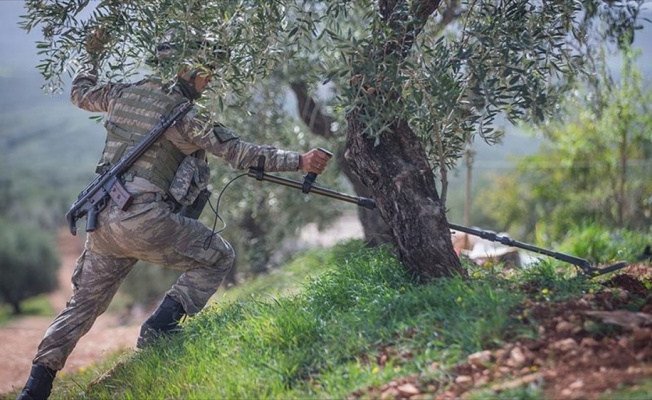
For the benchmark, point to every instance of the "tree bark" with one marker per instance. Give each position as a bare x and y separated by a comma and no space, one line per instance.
393,164
398,174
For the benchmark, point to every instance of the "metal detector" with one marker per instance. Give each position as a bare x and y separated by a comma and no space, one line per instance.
587,268
307,186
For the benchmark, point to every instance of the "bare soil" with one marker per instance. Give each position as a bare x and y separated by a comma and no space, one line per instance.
586,348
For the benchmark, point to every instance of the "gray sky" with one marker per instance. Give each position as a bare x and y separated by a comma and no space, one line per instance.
17,48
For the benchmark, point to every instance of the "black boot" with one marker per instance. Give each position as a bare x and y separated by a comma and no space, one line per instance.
39,384
165,320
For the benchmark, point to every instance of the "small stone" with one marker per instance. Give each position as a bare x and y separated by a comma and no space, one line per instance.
578,384
516,357
408,388
480,359
564,344
462,379
564,327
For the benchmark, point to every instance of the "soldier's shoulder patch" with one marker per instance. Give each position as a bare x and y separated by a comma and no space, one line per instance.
223,134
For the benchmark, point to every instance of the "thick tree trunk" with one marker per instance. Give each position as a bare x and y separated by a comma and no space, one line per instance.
376,231
396,170
393,163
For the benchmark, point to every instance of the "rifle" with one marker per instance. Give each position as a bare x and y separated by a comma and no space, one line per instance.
108,185
586,268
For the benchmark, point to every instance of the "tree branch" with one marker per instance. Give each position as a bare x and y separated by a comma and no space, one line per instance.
310,112
407,25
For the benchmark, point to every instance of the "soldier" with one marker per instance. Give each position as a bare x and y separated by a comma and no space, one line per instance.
170,173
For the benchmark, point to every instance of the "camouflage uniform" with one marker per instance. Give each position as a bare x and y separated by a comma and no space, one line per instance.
148,230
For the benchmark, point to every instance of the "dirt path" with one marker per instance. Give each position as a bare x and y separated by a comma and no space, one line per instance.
20,338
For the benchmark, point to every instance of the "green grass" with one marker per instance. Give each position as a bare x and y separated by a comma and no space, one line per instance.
640,391
605,246
281,282
330,323
323,341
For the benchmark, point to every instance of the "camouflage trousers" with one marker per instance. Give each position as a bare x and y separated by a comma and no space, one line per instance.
147,231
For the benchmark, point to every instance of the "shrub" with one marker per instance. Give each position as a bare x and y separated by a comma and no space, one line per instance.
605,245
29,262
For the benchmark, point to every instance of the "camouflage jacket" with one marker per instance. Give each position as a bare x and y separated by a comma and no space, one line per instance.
190,134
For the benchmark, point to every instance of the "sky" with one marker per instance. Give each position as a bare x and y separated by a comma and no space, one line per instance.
17,48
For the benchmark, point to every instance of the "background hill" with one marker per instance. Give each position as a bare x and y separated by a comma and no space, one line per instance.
45,134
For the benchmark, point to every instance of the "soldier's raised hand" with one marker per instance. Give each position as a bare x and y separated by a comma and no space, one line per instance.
96,41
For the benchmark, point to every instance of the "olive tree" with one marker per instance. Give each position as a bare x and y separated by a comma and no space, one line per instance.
28,263
416,80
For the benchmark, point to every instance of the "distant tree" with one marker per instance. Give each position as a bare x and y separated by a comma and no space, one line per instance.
22,189
594,166
28,263
413,93
6,196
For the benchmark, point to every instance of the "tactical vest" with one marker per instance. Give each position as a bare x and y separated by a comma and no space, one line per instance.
130,117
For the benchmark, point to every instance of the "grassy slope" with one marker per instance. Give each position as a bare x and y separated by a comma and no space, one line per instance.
357,322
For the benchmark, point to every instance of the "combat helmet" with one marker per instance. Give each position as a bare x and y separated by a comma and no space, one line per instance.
191,48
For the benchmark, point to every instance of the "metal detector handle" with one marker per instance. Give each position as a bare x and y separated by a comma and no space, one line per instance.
310,177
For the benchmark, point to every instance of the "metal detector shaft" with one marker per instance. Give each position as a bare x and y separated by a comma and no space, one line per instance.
361,201
583,264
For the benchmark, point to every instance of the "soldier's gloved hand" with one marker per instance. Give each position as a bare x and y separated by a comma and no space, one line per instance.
96,42
314,161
